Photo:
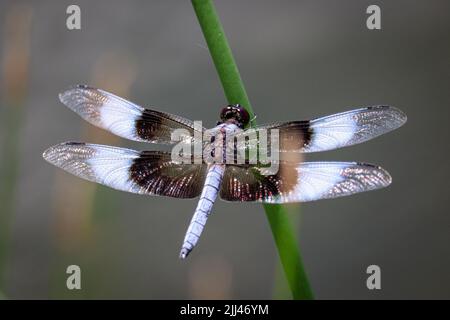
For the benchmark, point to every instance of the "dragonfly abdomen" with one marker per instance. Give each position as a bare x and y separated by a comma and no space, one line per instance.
209,194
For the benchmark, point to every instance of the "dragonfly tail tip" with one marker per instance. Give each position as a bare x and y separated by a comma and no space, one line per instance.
184,253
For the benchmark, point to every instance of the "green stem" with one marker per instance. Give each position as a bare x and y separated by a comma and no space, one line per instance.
277,215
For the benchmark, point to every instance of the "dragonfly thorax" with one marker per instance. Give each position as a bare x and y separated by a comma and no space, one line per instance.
220,146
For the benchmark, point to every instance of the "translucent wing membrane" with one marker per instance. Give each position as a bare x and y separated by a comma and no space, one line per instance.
302,182
122,117
146,172
154,173
334,131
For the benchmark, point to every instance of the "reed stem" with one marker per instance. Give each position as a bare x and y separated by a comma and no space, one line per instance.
277,215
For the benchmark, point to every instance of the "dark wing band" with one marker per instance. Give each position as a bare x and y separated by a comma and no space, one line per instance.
303,182
122,117
147,172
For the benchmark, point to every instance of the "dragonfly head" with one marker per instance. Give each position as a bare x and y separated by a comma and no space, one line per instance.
235,113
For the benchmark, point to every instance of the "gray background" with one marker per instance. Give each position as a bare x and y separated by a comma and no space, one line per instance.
298,59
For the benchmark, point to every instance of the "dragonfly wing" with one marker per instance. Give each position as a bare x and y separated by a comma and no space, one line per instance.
122,117
146,172
302,182
334,131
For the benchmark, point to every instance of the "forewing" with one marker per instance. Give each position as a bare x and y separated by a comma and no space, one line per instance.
146,172
122,117
334,131
303,182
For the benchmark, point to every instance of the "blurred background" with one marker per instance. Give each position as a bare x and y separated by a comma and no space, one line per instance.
299,60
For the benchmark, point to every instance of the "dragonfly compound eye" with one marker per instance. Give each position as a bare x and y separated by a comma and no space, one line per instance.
235,112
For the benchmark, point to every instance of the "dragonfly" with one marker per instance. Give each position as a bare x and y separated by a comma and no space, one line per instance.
156,173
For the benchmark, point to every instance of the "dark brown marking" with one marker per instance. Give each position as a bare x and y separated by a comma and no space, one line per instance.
248,184
73,143
148,125
295,135
157,174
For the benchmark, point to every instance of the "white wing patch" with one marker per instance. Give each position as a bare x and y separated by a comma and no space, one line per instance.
327,180
97,163
329,134
316,180
104,110
353,127
120,121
